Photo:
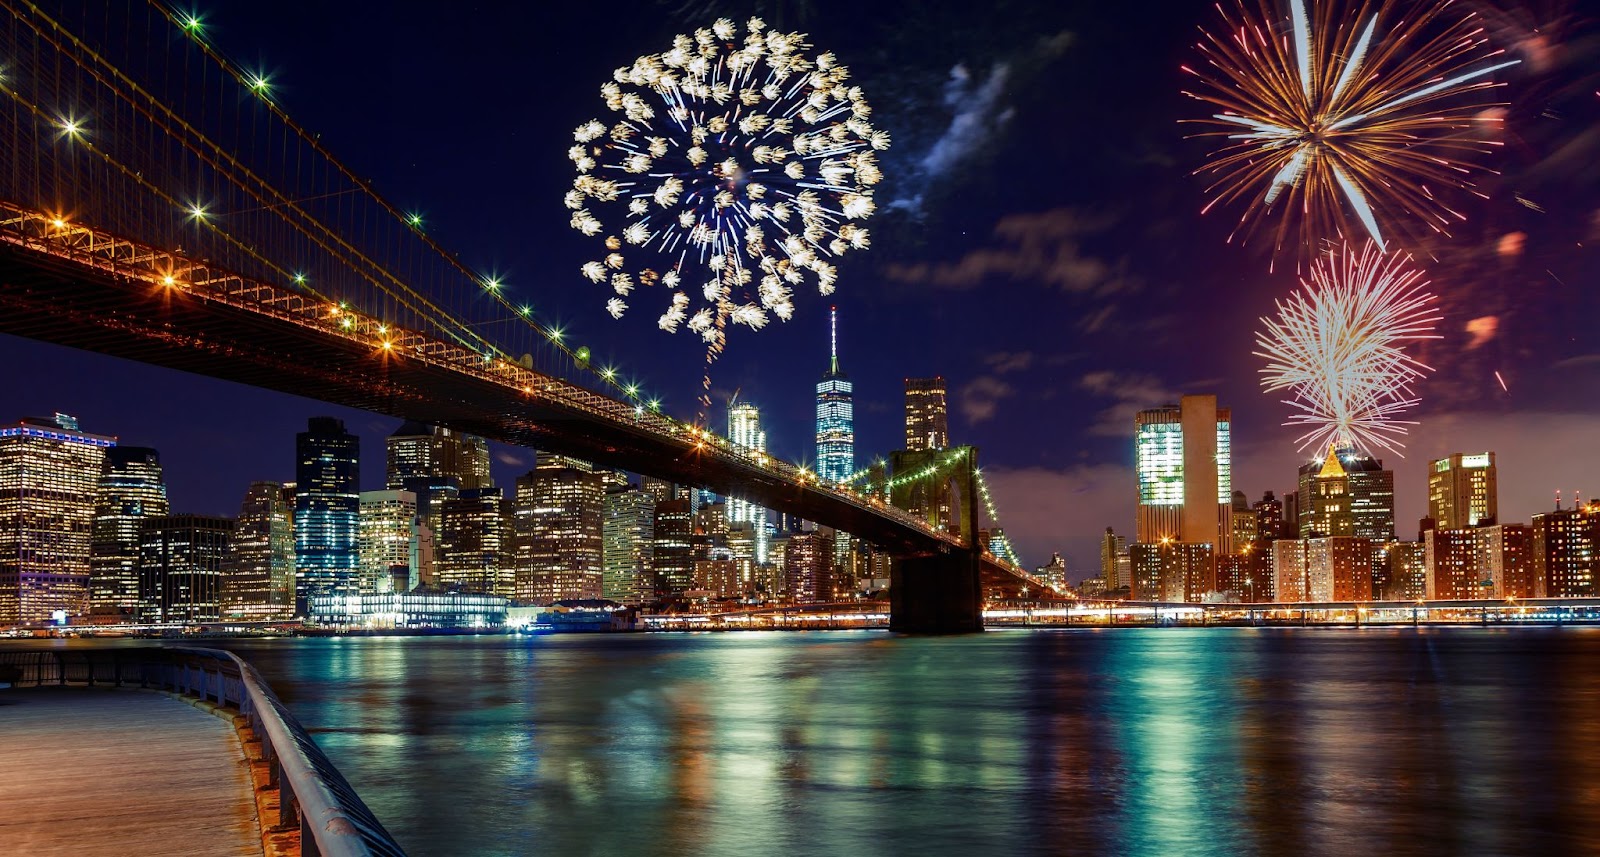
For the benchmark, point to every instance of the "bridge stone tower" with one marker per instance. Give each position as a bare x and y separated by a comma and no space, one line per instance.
939,593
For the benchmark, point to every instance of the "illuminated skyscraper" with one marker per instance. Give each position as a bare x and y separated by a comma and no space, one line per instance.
559,521
475,544
1461,490
836,434
808,567
673,558
49,470
131,489
628,543
1185,472
181,558
927,422
417,450
258,582
744,428
327,508
388,541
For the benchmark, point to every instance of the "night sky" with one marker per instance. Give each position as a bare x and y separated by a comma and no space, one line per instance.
1038,243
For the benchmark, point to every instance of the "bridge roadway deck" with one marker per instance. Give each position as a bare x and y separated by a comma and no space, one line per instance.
87,772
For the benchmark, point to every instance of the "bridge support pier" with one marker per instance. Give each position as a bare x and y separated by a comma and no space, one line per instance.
938,594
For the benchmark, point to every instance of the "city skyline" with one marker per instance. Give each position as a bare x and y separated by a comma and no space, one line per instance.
1062,274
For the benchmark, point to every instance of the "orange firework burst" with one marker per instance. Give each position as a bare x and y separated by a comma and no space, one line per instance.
1346,117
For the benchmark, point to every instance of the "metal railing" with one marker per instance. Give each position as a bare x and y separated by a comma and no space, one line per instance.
313,795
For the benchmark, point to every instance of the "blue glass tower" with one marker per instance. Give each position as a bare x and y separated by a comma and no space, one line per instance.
836,434
327,508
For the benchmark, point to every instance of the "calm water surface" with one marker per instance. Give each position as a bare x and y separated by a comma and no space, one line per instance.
1152,741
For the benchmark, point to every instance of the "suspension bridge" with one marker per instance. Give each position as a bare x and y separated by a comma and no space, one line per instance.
158,204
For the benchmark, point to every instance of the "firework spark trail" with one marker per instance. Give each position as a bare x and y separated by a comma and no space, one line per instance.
744,164
1338,345
1359,109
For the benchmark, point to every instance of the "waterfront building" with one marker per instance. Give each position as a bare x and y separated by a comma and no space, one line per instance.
1246,574
560,522
1408,571
1116,565
1328,568
673,557
1489,561
181,560
49,472
388,539
927,419
1054,574
1566,551
1453,566
474,544
628,546
836,438
327,509
744,429
1172,571
258,580
1462,490
1183,459
1506,555
420,610
808,568
130,490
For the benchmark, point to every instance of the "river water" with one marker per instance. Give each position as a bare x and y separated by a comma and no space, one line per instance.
1122,741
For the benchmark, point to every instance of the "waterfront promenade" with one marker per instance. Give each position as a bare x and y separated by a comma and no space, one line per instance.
90,771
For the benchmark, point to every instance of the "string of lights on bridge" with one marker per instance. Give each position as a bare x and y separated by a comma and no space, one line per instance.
192,25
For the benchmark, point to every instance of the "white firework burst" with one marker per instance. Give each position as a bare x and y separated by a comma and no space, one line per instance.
1338,346
737,156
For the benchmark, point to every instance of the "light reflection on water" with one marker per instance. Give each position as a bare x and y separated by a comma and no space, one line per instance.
1145,742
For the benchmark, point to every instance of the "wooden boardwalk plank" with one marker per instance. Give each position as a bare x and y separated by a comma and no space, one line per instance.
88,772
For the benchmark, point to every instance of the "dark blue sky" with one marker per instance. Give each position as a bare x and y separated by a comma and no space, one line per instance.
1038,244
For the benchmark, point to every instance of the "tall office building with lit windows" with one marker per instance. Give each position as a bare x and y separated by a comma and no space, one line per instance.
1184,461
1461,490
559,520
49,470
627,537
836,434
327,508
388,542
744,428
258,581
927,421
417,450
475,544
131,489
181,562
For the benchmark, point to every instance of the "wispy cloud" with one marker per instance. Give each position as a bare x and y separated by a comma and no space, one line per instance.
1132,392
978,113
1005,362
980,398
